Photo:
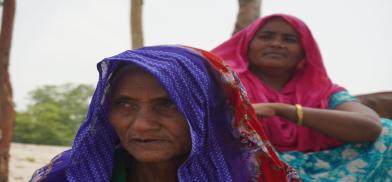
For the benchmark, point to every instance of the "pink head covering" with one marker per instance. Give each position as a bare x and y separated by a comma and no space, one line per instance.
310,86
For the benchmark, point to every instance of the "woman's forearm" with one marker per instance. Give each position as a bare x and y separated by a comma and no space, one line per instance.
344,125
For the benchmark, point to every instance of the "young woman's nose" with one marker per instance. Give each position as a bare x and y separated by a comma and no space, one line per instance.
145,119
277,42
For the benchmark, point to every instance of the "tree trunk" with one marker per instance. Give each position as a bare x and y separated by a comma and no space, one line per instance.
249,11
136,23
7,112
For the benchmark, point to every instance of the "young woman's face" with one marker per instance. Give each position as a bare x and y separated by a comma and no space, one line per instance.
147,122
275,47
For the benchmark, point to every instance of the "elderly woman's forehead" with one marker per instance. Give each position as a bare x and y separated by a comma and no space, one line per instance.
123,68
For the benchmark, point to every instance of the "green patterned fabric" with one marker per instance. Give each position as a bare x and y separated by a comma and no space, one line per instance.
120,166
350,162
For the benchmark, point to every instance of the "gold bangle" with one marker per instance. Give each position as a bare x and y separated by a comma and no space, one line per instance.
300,114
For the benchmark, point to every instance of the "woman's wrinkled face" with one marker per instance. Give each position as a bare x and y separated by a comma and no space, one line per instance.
147,122
276,47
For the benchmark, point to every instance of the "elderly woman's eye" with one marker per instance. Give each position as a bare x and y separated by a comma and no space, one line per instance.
165,105
125,104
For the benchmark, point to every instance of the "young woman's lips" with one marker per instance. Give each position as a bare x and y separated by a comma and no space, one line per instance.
274,54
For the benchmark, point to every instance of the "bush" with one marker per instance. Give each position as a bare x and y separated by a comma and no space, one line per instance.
53,115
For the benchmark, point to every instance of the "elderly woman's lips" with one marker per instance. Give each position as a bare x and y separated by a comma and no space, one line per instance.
140,140
148,144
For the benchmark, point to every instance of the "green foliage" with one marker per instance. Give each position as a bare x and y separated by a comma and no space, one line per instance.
53,115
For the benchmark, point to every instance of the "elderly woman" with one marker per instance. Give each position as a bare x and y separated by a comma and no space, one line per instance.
168,113
319,128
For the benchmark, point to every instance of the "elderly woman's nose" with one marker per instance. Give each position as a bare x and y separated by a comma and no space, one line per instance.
145,119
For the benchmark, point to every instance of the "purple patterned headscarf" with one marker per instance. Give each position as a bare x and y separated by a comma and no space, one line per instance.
216,155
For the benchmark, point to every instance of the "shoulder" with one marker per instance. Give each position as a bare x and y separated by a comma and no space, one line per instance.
54,170
340,97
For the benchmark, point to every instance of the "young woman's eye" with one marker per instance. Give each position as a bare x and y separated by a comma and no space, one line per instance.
264,36
290,39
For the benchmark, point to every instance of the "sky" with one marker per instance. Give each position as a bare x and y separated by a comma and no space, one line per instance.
61,41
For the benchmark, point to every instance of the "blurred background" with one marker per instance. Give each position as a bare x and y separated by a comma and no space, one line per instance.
57,44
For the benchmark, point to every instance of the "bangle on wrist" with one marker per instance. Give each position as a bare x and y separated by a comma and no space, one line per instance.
300,114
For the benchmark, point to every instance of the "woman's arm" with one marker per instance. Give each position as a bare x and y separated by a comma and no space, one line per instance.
350,121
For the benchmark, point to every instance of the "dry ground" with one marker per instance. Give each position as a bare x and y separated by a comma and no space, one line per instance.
26,158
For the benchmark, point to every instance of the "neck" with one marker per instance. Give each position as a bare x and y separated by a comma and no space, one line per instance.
151,172
274,79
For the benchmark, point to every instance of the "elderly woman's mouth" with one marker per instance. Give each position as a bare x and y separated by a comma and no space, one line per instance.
146,140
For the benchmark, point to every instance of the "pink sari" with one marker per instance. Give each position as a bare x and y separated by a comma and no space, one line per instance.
310,86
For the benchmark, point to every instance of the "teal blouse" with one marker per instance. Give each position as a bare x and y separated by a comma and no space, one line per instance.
340,98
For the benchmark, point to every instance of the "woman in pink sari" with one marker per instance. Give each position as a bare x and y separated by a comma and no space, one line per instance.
314,123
